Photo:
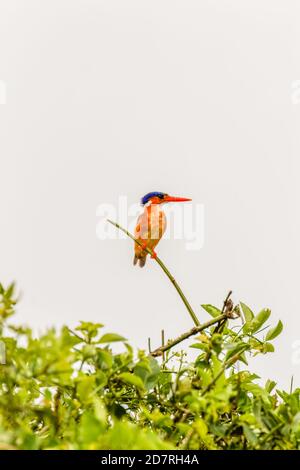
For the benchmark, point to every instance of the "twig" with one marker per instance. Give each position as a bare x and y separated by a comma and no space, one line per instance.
165,269
196,329
227,305
187,439
163,344
292,385
228,311
75,334
226,300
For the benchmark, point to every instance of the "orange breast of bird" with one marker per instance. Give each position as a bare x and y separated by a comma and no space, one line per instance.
151,226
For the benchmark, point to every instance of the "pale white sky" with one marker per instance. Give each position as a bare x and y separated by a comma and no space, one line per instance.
110,98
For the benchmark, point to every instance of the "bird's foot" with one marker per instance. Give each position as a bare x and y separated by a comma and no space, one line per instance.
154,254
144,246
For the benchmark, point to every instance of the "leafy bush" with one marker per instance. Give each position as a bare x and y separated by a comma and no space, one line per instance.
70,390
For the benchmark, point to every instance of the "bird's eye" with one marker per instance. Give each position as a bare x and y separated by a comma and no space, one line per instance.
161,196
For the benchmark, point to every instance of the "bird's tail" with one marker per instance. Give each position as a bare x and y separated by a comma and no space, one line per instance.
141,260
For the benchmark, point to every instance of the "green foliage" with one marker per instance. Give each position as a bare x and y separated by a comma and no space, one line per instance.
213,311
69,390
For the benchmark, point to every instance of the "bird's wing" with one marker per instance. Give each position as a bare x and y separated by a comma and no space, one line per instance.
141,229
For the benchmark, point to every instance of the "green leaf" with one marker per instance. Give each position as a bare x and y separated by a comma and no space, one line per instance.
270,385
248,314
267,347
201,428
90,428
88,326
255,389
10,290
254,325
235,348
274,332
202,346
148,370
101,379
132,379
89,329
111,338
85,388
243,359
260,319
213,311
250,435
105,360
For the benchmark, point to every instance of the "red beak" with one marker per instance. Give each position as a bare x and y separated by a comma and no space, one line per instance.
175,199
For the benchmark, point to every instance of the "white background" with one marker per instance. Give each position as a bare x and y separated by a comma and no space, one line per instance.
109,98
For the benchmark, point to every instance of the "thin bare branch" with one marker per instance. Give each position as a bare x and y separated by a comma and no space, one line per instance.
165,269
196,329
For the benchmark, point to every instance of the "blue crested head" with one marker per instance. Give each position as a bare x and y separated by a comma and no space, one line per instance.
149,196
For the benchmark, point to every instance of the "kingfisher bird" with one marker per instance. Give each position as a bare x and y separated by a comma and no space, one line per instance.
151,224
